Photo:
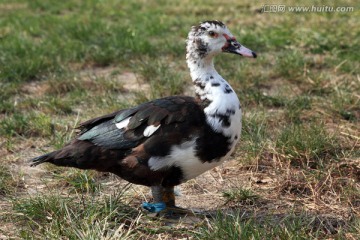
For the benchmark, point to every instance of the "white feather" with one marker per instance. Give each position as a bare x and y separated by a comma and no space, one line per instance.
220,102
184,156
123,123
149,130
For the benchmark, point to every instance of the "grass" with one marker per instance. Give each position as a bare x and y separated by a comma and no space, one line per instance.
79,181
163,80
309,146
254,136
298,160
8,184
78,217
302,226
31,124
240,195
290,65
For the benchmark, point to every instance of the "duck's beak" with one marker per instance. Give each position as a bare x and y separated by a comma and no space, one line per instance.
233,46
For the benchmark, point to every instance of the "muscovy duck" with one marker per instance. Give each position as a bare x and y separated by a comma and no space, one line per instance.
167,141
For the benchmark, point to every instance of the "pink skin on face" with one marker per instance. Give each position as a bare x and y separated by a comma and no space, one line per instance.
241,50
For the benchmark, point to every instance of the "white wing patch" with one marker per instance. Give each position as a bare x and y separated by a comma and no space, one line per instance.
149,130
123,123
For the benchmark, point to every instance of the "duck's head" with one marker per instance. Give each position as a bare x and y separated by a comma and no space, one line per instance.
212,37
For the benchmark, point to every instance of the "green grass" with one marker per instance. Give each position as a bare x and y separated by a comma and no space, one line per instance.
254,136
8,184
290,65
240,195
295,108
32,124
299,226
75,217
37,50
163,80
79,181
64,62
308,146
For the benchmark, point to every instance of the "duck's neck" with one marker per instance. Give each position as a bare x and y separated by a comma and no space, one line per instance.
203,75
209,85
200,67
220,102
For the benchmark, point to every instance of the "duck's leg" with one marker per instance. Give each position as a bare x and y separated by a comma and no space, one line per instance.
163,198
167,196
164,203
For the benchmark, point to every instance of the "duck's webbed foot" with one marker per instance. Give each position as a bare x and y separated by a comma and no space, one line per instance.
164,203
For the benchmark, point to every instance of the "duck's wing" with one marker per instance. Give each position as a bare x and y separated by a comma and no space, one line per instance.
128,128
119,141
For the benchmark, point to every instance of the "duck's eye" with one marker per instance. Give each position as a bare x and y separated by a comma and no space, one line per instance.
212,34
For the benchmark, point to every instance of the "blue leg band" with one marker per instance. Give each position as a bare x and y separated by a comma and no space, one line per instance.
154,207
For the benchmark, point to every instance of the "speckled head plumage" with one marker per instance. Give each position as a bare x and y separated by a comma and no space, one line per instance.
212,37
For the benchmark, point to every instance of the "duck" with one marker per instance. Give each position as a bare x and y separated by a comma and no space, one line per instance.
168,141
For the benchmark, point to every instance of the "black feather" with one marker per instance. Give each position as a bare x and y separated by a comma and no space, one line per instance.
39,160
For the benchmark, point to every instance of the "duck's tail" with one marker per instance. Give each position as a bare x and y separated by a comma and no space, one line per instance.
41,159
